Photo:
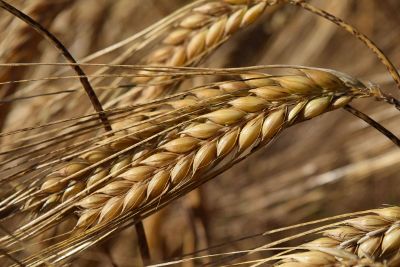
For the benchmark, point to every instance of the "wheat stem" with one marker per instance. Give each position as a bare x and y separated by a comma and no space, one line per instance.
142,240
374,124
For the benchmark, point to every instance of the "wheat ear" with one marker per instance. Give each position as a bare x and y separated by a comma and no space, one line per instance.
328,257
371,237
264,90
193,37
232,131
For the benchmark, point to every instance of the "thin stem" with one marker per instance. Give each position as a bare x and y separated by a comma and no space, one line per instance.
143,246
65,53
374,124
390,100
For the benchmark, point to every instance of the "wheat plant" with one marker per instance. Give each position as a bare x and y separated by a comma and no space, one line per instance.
116,138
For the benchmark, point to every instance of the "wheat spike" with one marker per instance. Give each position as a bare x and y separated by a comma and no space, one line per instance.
193,37
374,237
247,122
328,257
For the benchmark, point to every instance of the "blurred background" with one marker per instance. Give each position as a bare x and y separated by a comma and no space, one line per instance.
333,164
